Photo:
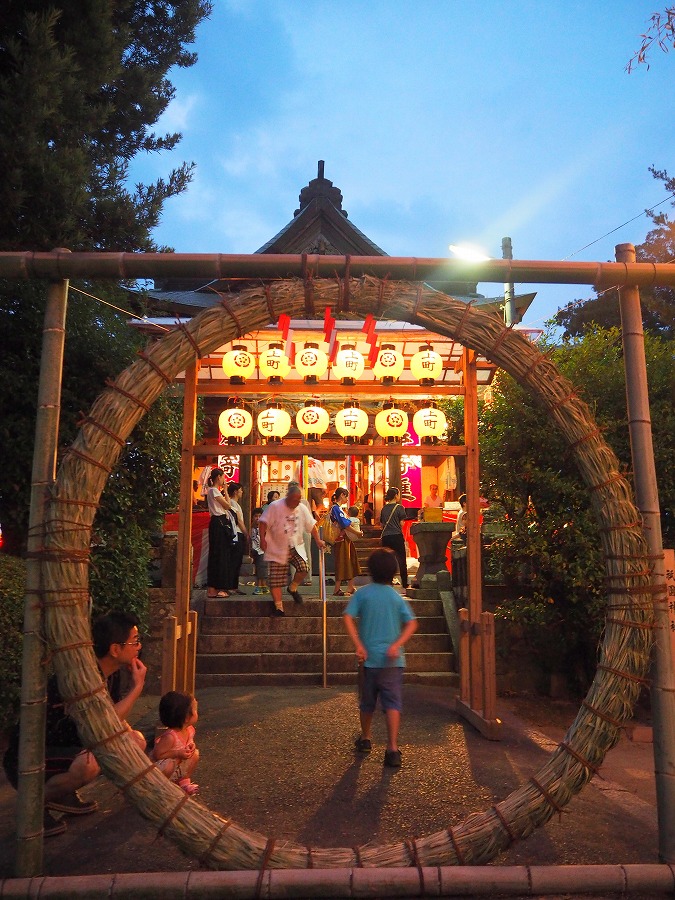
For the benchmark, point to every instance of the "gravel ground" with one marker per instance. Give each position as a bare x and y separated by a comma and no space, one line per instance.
280,761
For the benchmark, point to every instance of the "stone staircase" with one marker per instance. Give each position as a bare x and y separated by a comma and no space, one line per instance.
240,643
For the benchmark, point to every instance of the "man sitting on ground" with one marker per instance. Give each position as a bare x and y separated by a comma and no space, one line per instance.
68,766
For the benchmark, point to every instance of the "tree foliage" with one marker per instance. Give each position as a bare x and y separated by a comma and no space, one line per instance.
82,83
551,551
661,33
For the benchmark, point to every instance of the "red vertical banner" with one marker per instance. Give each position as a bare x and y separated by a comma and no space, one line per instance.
411,471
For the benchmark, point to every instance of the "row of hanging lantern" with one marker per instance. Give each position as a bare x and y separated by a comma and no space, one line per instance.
312,421
311,363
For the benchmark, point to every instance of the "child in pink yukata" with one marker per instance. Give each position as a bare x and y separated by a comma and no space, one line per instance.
175,752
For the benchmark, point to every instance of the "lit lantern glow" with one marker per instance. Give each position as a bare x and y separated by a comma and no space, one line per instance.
235,424
312,420
391,423
238,364
351,423
274,364
426,365
389,364
274,423
429,423
311,362
349,364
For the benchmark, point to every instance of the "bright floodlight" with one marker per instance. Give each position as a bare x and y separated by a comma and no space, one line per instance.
469,253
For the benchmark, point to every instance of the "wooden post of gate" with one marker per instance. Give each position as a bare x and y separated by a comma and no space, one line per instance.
477,704
185,644
473,541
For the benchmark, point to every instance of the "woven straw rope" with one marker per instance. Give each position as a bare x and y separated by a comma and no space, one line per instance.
624,653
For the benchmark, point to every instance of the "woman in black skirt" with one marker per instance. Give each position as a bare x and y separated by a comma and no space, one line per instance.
221,536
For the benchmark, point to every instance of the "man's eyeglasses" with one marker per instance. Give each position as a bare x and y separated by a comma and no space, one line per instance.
134,643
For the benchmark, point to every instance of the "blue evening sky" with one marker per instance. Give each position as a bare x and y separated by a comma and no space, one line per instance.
441,121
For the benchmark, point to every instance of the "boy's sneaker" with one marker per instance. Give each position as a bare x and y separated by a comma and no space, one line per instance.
257,591
392,758
73,805
52,826
362,745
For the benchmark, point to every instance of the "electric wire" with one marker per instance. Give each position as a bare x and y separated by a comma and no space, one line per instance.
119,309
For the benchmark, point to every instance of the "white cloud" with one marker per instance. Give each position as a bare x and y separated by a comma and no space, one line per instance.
178,116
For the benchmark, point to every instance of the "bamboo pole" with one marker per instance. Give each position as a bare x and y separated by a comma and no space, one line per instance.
473,541
647,500
489,666
30,806
183,555
60,264
464,653
324,614
296,884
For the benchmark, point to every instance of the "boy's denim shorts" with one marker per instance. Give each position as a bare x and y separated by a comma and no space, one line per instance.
387,684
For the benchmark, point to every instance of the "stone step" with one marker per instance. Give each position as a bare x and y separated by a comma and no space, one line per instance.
285,642
312,606
262,624
333,679
309,662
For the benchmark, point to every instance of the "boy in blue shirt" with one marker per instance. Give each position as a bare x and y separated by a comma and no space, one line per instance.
385,622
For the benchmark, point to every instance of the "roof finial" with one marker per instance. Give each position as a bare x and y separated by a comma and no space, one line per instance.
320,171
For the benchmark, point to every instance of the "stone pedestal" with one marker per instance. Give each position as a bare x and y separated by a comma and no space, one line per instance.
432,541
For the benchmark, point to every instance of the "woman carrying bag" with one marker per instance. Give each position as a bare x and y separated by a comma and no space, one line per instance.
392,533
344,551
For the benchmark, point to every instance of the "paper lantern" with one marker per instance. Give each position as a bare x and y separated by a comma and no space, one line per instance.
312,420
426,365
274,423
351,423
238,364
274,364
389,364
310,362
391,423
429,423
349,364
235,424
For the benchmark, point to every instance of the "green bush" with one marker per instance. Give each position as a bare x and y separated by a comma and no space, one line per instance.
12,591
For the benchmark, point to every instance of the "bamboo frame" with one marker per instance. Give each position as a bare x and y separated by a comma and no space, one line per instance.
624,652
212,266
33,673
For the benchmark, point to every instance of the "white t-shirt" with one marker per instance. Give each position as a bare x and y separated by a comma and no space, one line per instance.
285,528
215,507
237,511
434,502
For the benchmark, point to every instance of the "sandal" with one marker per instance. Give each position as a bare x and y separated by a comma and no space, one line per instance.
188,786
339,594
222,594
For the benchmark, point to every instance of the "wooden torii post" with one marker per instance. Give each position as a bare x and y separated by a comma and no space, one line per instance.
179,645
477,701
